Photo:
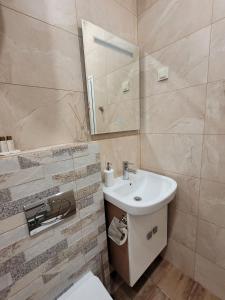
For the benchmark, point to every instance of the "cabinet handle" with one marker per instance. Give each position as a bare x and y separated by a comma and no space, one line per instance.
149,235
155,229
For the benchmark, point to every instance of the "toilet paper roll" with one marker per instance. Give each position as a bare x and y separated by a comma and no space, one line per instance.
118,232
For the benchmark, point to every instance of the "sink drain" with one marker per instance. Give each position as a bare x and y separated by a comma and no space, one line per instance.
137,198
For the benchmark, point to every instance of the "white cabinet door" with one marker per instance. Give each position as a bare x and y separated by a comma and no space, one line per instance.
143,244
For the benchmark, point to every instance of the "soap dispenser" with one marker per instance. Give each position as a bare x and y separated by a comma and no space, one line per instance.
109,175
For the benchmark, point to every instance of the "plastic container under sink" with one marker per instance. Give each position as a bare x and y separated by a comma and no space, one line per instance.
89,287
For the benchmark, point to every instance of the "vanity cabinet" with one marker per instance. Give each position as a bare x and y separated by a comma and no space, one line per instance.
147,237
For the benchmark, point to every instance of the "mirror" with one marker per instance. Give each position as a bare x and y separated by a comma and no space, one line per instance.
112,73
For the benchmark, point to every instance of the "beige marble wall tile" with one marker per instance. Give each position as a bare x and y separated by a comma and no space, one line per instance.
210,243
181,257
218,10
179,112
212,202
129,4
220,247
116,150
55,12
42,117
143,5
215,109
35,53
186,235
110,15
186,59
206,238
210,276
175,115
158,26
187,195
172,152
213,162
217,52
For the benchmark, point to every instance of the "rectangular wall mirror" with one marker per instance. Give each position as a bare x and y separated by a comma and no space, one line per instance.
112,73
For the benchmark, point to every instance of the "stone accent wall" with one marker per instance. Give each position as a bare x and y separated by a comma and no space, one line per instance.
43,266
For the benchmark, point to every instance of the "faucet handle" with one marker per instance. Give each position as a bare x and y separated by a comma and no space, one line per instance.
126,163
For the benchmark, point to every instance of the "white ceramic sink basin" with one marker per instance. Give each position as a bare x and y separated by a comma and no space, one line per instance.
154,190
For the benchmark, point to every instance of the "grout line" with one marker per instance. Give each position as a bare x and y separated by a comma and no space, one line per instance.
174,90
203,143
170,133
219,20
180,39
146,8
130,40
181,133
163,171
182,88
125,7
42,21
207,221
211,261
24,225
198,218
140,104
40,87
76,18
184,212
184,245
138,44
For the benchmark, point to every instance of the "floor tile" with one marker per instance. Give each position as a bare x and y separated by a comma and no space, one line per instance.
150,292
199,293
162,281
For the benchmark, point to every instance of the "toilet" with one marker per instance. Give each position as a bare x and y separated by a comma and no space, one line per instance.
88,287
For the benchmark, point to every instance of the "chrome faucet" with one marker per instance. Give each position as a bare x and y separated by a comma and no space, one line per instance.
127,170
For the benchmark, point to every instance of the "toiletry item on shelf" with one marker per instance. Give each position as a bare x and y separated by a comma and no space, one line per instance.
3,144
109,175
7,146
10,143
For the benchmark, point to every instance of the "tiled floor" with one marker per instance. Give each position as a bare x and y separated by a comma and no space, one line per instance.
162,281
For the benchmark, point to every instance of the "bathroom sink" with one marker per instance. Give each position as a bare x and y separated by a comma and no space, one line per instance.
143,193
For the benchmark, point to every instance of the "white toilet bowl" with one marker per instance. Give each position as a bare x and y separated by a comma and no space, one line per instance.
89,287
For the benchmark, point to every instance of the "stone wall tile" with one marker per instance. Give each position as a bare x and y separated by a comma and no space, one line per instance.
21,176
67,250
26,163
14,207
5,196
